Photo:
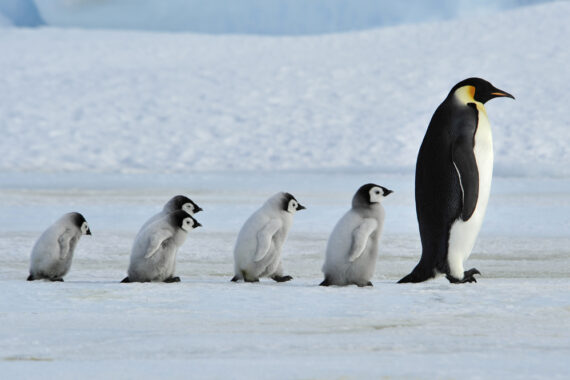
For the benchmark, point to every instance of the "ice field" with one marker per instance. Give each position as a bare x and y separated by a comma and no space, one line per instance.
114,123
513,323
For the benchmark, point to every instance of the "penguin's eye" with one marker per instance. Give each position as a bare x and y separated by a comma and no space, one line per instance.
377,192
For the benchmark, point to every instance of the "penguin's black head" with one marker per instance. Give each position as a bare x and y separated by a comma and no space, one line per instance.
184,220
181,202
479,90
290,204
369,194
79,221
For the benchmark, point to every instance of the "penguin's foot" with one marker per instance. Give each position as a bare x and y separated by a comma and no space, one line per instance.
468,276
235,279
30,278
56,279
325,282
172,279
279,278
125,280
367,284
251,279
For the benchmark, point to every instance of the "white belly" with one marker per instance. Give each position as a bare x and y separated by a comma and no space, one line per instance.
463,234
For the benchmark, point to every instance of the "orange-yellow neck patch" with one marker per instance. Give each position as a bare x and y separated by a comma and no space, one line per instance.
465,94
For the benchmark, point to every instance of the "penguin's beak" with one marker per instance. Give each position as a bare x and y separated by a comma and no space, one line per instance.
88,232
300,207
198,209
496,93
388,192
197,224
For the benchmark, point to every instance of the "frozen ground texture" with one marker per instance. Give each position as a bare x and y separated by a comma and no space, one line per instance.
514,323
77,100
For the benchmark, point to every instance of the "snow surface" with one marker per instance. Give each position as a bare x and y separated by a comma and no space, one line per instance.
514,323
290,17
102,101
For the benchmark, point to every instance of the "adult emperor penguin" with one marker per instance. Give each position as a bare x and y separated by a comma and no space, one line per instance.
352,248
52,254
153,256
257,252
178,202
453,181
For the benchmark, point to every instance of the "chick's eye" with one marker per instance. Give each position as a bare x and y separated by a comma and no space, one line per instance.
377,192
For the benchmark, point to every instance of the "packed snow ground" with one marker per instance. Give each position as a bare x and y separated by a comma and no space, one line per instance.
514,323
101,101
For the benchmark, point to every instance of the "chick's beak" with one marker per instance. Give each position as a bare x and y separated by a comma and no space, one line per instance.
300,207
88,232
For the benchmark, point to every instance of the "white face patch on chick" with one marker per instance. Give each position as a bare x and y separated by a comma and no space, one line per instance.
376,194
85,229
294,206
189,208
188,224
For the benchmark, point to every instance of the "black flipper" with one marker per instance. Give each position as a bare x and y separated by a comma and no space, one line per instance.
463,158
125,280
30,278
278,278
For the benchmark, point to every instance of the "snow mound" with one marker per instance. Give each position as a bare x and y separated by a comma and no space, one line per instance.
77,100
257,16
19,13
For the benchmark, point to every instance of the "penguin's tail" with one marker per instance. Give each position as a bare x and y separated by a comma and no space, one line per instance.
419,274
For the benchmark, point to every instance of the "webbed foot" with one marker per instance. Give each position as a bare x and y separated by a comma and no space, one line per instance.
172,279
279,278
468,276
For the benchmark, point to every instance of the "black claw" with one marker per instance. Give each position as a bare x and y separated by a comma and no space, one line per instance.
471,272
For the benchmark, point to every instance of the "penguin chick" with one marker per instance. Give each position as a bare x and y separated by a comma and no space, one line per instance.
178,202
352,248
153,256
257,252
53,251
